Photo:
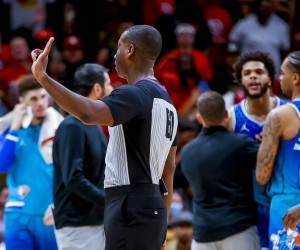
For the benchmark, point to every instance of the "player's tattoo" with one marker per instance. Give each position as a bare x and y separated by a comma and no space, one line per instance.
268,149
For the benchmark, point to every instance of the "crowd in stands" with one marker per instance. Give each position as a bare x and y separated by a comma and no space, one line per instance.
202,40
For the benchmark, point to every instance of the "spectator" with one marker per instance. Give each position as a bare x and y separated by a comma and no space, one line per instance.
185,71
108,45
185,12
73,57
27,14
41,37
218,19
19,63
182,231
269,33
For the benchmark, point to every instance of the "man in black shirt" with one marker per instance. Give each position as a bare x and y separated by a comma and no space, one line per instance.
142,146
79,163
218,165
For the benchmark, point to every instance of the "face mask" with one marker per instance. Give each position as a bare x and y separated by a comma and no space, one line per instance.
176,208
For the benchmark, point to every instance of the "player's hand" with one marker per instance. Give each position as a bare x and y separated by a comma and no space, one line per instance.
19,112
291,218
40,59
48,216
258,137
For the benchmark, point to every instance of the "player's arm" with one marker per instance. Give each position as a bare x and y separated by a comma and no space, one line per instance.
268,148
9,139
85,109
229,119
168,176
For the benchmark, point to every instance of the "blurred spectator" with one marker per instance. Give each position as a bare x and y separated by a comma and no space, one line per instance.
73,57
41,38
10,97
18,64
296,27
108,43
218,19
182,231
185,12
28,14
153,10
61,19
4,54
90,13
177,205
57,70
185,71
234,8
262,30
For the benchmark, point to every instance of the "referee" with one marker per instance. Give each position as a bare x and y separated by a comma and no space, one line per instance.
142,146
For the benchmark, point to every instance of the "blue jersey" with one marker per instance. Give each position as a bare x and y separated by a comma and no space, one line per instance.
29,177
286,170
244,123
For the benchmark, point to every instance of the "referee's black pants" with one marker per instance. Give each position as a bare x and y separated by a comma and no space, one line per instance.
135,217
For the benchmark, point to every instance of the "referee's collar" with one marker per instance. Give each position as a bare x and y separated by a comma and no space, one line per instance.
156,82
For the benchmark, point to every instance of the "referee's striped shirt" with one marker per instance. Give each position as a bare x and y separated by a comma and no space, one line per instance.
145,127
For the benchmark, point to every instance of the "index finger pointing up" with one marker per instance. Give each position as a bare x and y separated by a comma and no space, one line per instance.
48,47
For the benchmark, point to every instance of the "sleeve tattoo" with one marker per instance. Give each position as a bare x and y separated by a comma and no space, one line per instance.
268,148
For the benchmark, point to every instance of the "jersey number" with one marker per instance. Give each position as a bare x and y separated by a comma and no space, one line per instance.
170,124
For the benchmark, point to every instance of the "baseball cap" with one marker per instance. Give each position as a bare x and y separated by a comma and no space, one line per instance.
43,34
72,42
182,217
185,28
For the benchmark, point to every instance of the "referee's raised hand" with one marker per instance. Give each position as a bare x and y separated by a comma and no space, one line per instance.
40,60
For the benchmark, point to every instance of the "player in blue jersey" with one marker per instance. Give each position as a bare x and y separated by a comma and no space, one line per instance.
26,155
279,154
255,72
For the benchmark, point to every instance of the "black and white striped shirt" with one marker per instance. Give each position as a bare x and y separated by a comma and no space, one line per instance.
145,127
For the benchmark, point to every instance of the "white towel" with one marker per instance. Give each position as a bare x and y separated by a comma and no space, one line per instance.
48,129
47,133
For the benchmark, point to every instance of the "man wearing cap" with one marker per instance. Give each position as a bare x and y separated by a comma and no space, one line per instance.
184,70
41,37
73,57
79,161
182,231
